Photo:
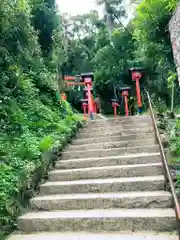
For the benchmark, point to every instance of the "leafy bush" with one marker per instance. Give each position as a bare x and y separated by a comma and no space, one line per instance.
32,122
174,132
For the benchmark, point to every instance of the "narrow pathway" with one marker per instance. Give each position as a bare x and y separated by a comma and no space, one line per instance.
108,185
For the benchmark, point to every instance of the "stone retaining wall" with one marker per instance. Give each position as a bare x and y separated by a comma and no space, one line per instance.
174,28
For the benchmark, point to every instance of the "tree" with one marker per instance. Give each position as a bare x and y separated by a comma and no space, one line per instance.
153,44
44,21
114,10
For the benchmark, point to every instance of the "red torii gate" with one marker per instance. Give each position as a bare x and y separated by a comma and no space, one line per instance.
84,79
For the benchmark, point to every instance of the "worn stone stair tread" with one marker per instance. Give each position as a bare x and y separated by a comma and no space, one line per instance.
115,132
106,180
109,161
109,152
94,236
111,138
134,155
154,199
122,119
97,220
102,195
116,125
107,171
101,213
149,183
115,128
67,171
111,149
113,144
110,123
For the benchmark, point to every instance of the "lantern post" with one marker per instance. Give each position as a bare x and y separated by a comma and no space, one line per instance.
115,104
87,78
136,76
125,94
85,107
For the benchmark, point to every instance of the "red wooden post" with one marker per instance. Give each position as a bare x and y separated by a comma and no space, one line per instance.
84,105
125,95
115,105
115,111
138,92
88,82
136,77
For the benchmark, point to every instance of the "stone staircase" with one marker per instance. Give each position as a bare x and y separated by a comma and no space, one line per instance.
108,185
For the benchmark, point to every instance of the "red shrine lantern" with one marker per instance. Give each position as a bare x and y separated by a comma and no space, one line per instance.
87,78
85,107
115,104
136,76
125,94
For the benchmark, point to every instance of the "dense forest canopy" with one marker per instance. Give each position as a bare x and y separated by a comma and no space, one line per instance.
109,47
32,121
38,46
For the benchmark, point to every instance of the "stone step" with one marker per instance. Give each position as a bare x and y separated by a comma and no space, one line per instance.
115,127
95,236
98,220
135,170
115,132
109,161
109,152
124,122
106,145
148,183
115,138
130,119
157,199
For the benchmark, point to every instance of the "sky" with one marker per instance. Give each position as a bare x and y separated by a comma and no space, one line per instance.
75,7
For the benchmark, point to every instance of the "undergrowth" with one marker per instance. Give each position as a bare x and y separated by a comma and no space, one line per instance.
32,129
31,121
172,128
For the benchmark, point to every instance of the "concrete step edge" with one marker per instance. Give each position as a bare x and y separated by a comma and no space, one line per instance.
110,195
119,200
117,126
117,131
137,142
112,149
59,171
111,137
111,157
94,236
106,172
105,180
99,213
119,118
100,220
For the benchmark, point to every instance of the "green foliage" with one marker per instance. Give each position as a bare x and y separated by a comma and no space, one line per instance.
154,51
46,143
171,79
38,47
44,21
32,122
175,140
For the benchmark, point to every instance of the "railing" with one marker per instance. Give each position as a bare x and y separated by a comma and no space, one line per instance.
168,176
